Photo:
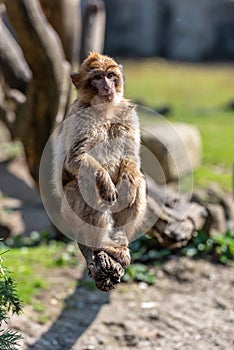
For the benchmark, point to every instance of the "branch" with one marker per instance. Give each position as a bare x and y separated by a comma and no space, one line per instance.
64,16
13,65
41,46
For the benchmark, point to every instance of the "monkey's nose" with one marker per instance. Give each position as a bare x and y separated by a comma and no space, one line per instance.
107,88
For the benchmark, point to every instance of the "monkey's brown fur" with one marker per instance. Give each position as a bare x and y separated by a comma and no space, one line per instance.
101,179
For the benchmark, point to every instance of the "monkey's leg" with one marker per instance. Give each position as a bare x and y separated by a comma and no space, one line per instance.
105,270
128,213
129,219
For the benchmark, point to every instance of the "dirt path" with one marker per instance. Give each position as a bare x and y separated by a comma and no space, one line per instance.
191,307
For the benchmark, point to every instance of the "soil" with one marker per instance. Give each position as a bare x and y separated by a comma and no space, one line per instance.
191,306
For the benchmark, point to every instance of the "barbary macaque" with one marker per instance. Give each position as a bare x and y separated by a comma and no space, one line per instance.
101,188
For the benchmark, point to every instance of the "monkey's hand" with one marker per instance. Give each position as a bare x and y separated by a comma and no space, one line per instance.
128,183
105,186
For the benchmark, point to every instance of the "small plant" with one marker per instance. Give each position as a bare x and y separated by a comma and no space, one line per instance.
145,254
9,302
139,273
224,247
35,239
220,247
144,250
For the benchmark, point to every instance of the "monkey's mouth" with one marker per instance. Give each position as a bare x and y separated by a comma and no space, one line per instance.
107,95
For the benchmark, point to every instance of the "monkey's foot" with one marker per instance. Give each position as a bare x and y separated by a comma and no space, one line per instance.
120,254
106,266
105,271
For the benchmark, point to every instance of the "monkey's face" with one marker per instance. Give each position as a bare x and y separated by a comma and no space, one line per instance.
99,80
105,84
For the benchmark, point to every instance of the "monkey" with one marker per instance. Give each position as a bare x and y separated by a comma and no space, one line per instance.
96,170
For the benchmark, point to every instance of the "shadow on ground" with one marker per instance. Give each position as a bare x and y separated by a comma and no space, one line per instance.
21,198
80,310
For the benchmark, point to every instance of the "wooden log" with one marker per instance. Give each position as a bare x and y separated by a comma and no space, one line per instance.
176,218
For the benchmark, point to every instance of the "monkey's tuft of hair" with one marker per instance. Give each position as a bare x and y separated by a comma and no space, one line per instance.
99,80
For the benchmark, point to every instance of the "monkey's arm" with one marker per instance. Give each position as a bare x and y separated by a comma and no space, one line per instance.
87,165
129,180
76,159
129,170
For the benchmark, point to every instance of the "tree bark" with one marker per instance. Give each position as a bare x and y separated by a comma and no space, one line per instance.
93,28
49,86
13,65
175,218
65,18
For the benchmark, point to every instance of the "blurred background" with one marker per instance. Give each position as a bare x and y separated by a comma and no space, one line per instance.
178,59
178,30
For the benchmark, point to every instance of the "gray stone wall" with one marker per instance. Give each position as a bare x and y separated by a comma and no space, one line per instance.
132,27
177,29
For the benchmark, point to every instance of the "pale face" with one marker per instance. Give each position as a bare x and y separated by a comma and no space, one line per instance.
105,83
99,80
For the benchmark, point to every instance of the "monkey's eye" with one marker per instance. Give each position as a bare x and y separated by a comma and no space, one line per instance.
110,75
97,77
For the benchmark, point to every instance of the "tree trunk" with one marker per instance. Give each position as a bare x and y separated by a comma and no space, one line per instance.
13,65
49,86
93,28
65,18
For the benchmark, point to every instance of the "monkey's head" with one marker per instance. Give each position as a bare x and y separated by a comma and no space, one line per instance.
100,79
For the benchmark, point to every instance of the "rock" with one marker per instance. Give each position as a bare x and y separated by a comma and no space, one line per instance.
176,149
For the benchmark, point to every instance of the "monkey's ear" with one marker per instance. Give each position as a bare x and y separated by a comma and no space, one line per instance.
122,71
75,79
121,68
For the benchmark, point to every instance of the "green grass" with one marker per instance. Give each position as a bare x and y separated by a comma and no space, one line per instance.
30,267
26,266
197,94
34,267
